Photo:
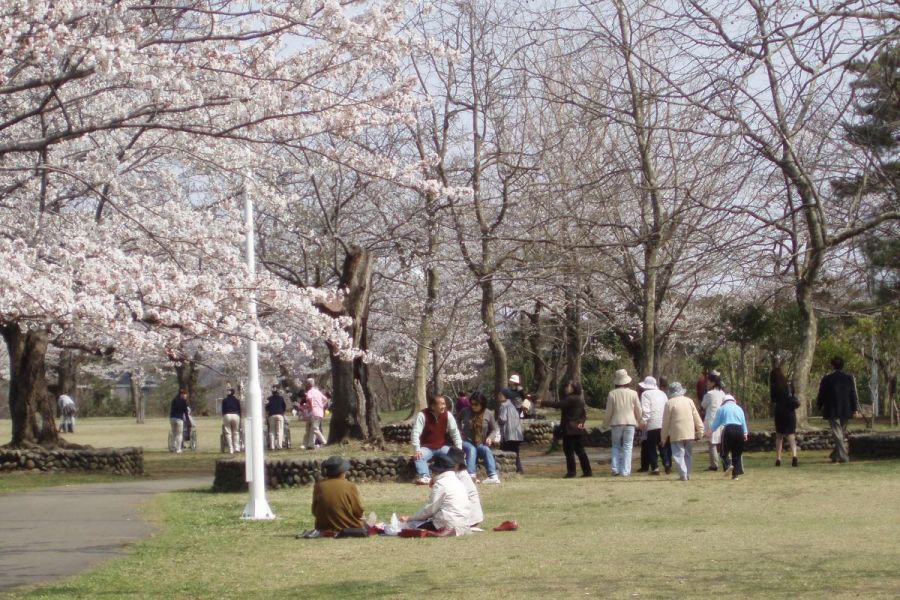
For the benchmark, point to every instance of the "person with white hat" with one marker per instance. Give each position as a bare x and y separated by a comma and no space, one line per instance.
709,405
623,411
731,418
681,425
653,401
517,395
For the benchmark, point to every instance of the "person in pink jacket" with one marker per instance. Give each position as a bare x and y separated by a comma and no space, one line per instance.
316,402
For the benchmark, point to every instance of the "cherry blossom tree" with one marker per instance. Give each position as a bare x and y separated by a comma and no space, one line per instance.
127,133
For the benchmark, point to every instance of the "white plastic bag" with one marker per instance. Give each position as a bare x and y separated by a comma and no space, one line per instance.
393,528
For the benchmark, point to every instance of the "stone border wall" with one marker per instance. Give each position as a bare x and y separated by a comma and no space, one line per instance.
536,431
230,472
118,461
875,445
539,432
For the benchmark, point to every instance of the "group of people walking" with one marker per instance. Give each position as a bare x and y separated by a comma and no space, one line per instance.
669,424
310,407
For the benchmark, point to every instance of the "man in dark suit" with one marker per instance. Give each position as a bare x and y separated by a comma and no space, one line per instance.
838,402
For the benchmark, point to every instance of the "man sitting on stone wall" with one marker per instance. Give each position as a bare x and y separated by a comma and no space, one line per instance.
429,436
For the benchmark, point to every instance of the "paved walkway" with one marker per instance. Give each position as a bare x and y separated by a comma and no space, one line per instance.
52,533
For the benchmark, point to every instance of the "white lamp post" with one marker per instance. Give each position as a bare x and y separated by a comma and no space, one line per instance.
257,507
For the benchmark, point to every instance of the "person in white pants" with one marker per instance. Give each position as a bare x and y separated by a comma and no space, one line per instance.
231,421
275,408
681,425
178,413
316,401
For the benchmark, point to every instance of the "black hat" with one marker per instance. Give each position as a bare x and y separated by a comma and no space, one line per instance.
441,463
457,455
335,465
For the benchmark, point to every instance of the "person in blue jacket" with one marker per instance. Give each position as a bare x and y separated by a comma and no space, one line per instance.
734,435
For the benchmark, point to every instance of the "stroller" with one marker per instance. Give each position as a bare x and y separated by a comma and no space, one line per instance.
189,435
286,431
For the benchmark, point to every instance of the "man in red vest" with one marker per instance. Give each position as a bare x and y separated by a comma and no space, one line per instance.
429,436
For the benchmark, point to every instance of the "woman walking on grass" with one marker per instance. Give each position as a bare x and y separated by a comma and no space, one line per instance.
785,409
572,419
712,400
681,426
623,411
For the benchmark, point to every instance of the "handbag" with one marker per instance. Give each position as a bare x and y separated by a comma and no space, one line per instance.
793,401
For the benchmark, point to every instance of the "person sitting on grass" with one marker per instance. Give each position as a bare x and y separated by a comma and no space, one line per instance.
447,509
336,503
476,514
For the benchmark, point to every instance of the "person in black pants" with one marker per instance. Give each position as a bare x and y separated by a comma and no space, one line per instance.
572,419
838,402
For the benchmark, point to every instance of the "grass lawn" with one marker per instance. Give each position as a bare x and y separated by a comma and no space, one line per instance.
814,532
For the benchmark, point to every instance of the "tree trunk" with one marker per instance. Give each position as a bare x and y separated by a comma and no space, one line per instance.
816,246
136,388
344,405
188,375
420,374
356,278
808,335
647,363
495,344
539,365
437,383
31,406
67,374
573,338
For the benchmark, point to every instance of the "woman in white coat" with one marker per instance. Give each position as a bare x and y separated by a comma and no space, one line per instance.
712,400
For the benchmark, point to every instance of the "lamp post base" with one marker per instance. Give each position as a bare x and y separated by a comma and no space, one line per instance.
258,510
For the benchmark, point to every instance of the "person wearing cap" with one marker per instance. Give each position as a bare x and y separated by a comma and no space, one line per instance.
623,411
517,395
430,431
573,415
476,513
653,401
681,425
316,402
448,505
231,421
336,503
178,414
511,434
479,431
712,400
731,417
275,408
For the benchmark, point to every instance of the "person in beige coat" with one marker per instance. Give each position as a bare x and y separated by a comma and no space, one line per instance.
623,411
681,425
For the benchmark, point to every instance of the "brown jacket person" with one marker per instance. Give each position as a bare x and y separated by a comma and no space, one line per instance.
336,503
